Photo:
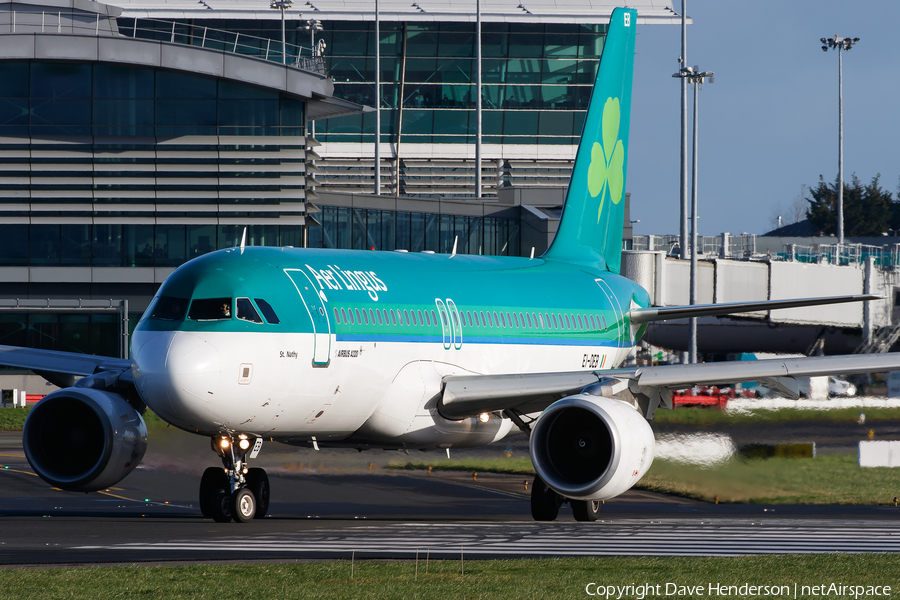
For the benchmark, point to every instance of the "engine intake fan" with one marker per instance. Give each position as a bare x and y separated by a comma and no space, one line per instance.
84,440
591,448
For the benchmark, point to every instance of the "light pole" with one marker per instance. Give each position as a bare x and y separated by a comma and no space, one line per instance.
695,77
282,5
840,43
378,100
313,25
683,224
478,99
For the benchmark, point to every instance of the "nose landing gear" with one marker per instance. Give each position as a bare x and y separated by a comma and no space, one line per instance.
235,491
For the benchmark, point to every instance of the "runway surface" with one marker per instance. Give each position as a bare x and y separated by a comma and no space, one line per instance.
336,507
672,537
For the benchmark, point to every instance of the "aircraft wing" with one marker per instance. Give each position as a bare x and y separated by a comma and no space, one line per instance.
60,368
470,395
662,313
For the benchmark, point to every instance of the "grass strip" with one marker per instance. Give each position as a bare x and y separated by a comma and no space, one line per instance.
826,479
490,579
13,419
707,417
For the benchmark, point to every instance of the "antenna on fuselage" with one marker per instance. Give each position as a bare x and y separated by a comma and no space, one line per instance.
243,240
455,240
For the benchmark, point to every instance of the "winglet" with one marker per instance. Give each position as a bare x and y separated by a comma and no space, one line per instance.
243,240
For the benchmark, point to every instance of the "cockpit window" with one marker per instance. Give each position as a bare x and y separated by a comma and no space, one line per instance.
246,312
210,309
267,311
169,308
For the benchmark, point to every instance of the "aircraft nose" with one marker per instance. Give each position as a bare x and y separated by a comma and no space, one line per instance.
194,366
177,375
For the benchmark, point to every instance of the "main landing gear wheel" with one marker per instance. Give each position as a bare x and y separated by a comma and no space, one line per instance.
215,496
545,502
244,505
258,483
585,510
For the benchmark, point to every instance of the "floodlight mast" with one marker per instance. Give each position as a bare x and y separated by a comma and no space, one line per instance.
695,77
313,25
478,107
683,183
282,5
378,100
840,43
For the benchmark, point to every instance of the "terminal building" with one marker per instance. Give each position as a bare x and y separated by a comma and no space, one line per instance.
539,62
139,134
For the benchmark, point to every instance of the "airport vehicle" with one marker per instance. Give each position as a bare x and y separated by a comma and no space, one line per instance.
361,349
840,387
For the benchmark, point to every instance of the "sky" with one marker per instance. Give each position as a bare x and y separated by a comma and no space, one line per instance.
769,124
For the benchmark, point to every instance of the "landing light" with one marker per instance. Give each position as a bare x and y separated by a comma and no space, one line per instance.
244,444
224,443
484,417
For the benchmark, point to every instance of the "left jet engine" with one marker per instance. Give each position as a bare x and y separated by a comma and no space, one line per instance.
83,439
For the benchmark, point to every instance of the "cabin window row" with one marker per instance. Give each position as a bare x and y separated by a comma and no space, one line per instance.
470,318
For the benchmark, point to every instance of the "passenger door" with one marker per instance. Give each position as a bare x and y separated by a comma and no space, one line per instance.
315,303
616,308
456,323
446,327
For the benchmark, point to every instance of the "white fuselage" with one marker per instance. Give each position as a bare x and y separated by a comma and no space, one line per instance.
370,394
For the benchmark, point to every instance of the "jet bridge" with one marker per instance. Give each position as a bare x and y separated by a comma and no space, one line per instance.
842,328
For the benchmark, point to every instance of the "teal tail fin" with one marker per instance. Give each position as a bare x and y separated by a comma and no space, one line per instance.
590,230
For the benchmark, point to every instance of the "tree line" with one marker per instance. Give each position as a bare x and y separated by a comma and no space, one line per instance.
869,210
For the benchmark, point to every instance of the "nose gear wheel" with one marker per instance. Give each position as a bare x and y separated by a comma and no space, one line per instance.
244,505
235,491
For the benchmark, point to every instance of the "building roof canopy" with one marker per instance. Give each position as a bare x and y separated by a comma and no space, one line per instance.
513,11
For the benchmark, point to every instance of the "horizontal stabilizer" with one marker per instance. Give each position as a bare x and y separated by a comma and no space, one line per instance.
663,313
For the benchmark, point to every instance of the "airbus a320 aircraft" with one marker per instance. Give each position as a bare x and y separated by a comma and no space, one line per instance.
356,349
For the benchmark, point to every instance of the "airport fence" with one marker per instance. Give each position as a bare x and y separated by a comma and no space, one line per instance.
709,246
745,247
886,257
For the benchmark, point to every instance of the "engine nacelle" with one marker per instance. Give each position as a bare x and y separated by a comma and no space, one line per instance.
84,440
591,448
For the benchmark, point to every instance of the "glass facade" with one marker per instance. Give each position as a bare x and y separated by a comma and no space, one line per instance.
536,78
82,99
536,81
130,245
90,333
375,229
109,146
